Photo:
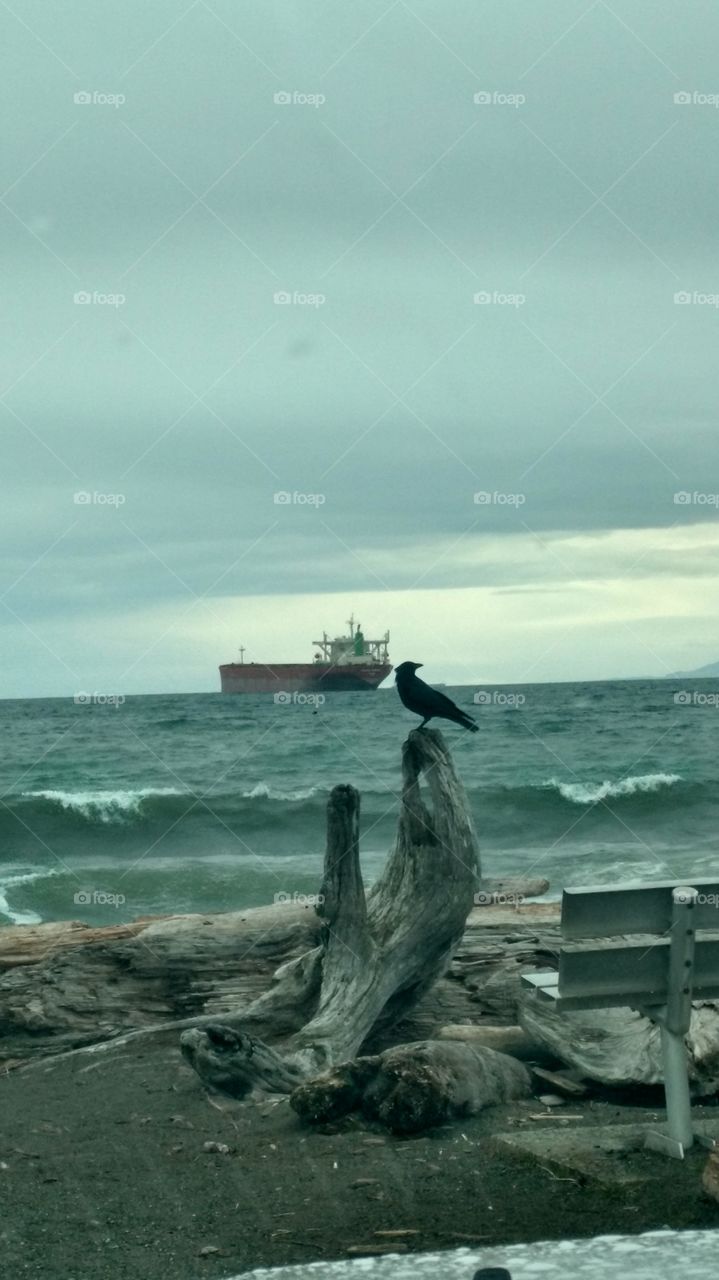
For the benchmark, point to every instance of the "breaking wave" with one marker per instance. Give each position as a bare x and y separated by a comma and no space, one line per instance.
103,806
261,791
593,792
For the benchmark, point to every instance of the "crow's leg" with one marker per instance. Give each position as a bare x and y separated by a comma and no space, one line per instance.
425,721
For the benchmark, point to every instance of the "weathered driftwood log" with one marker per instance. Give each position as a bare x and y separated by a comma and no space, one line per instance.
414,1086
69,985
510,890
511,1040
620,1046
378,953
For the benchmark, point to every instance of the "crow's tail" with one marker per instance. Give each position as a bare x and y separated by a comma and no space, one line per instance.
466,721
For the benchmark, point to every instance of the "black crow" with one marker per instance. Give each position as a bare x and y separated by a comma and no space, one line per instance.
492,1273
425,701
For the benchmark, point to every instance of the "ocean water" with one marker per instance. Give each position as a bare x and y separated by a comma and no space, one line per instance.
205,802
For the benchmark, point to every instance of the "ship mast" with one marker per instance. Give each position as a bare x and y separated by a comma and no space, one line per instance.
242,654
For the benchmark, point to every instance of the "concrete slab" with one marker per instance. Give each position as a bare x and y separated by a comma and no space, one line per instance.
610,1154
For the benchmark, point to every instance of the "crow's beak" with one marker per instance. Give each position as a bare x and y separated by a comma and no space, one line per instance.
417,665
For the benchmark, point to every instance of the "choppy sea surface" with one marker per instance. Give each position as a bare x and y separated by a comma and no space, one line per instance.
205,802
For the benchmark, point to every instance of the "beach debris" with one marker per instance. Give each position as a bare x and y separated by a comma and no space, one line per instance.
208,1250
562,1081
366,1250
182,1122
364,1182
398,1231
552,1100
710,1176
220,1148
549,1115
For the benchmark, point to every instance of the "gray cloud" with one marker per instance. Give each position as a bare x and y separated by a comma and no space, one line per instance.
577,380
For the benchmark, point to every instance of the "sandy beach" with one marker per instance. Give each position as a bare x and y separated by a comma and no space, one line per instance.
106,1174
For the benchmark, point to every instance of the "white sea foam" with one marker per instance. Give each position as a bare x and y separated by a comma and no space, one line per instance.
262,791
103,806
593,792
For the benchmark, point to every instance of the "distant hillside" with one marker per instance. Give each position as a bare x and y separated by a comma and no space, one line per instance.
701,673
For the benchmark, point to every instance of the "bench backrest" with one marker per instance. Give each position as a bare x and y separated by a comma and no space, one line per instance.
616,943
602,911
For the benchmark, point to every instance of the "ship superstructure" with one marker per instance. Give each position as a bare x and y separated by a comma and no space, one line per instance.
348,661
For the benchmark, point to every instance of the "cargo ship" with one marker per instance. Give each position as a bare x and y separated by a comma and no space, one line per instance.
346,662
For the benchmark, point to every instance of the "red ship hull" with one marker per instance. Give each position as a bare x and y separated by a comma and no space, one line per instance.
301,677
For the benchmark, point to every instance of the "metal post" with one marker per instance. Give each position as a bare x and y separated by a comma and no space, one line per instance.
674,1023
676,1090
681,961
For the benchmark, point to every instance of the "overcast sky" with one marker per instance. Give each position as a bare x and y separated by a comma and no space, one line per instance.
496,228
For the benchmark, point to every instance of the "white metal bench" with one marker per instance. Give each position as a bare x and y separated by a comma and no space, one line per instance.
636,945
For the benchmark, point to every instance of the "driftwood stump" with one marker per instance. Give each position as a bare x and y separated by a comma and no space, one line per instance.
378,952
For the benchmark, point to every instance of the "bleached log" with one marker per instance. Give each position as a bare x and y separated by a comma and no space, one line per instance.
621,1046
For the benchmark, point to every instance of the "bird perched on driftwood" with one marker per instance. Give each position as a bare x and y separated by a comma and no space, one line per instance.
425,701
